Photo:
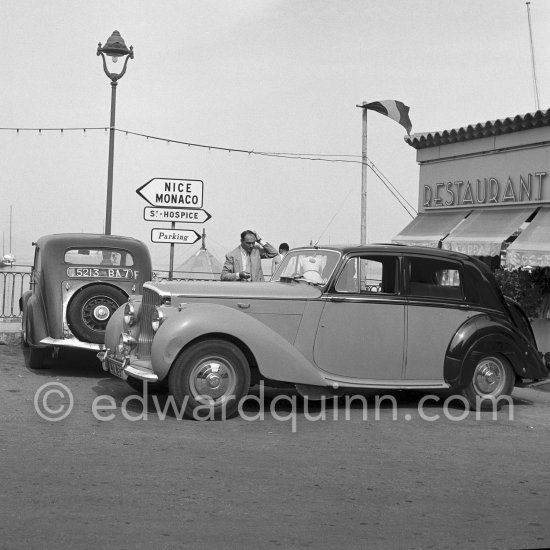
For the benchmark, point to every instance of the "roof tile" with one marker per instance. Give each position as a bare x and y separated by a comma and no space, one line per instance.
480,130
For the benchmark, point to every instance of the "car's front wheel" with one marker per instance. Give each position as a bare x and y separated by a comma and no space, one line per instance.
209,379
493,377
152,387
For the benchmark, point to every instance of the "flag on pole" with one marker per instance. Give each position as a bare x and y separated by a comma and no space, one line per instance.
394,109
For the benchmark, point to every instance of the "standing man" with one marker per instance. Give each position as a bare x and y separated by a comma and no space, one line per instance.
245,262
283,249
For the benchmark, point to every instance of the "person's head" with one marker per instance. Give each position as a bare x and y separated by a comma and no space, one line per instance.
283,249
106,256
248,239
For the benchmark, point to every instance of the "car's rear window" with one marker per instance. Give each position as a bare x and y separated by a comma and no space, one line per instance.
435,278
99,256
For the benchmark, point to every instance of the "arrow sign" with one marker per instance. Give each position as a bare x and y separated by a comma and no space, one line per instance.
176,236
188,215
181,193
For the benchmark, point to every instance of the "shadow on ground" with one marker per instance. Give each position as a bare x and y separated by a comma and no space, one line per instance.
69,362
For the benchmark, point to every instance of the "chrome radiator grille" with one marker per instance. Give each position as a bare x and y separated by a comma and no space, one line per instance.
150,299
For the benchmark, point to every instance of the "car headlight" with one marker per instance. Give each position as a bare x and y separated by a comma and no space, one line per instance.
125,343
120,346
129,314
156,319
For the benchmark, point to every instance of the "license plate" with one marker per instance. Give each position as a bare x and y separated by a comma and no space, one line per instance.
116,368
100,272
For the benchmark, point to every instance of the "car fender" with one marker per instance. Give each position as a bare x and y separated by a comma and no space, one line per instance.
24,298
114,328
275,357
36,324
486,333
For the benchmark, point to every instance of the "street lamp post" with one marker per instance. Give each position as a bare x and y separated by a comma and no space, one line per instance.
114,48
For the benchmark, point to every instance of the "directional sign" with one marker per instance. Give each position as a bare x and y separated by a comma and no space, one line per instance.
172,192
176,236
189,215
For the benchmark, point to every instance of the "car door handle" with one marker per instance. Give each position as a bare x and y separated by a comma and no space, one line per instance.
242,305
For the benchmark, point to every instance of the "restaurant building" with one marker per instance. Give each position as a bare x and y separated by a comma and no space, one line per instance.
484,190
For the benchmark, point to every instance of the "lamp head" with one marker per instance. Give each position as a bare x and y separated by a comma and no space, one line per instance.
115,47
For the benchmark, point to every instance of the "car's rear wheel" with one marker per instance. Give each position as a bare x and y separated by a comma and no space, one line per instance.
36,357
209,379
24,339
493,377
90,310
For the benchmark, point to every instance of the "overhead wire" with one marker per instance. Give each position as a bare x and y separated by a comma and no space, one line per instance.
324,157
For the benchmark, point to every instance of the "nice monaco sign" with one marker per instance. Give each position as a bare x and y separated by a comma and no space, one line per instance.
174,200
178,193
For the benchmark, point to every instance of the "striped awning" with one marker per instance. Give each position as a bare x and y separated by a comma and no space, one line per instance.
532,247
428,228
483,231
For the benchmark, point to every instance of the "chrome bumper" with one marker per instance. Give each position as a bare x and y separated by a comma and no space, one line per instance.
72,343
123,369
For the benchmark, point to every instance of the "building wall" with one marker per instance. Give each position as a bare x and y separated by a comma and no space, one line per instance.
508,169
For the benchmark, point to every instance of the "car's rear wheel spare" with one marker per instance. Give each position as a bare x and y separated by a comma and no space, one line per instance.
209,379
90,310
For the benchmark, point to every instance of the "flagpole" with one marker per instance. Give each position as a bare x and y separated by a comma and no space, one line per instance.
364,179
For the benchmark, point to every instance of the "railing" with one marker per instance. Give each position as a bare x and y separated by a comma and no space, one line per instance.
13,282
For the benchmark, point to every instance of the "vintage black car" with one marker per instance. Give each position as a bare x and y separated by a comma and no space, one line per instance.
331,318
78,280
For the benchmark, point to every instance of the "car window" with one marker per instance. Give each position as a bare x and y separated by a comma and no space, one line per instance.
314,265
368,275
36,267
436,278
99,256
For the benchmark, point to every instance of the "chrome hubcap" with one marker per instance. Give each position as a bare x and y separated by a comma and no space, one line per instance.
489,377
101,313
212,380
97,311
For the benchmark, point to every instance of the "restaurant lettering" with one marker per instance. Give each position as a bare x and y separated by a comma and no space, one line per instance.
485,191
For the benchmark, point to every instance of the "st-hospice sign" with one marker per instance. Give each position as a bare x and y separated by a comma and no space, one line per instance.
189,215
179,193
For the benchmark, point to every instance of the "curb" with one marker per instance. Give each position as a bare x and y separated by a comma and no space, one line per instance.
10,338
10,332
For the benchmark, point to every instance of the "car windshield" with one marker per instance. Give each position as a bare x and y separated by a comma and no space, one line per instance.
311,265
99,256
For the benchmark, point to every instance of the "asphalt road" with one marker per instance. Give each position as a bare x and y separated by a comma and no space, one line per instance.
106,476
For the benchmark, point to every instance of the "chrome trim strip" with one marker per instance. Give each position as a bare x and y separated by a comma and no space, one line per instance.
373,298
390,384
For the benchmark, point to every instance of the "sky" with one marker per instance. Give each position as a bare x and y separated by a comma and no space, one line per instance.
278,76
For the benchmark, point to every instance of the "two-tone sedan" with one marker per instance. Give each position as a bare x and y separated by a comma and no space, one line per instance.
332,319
